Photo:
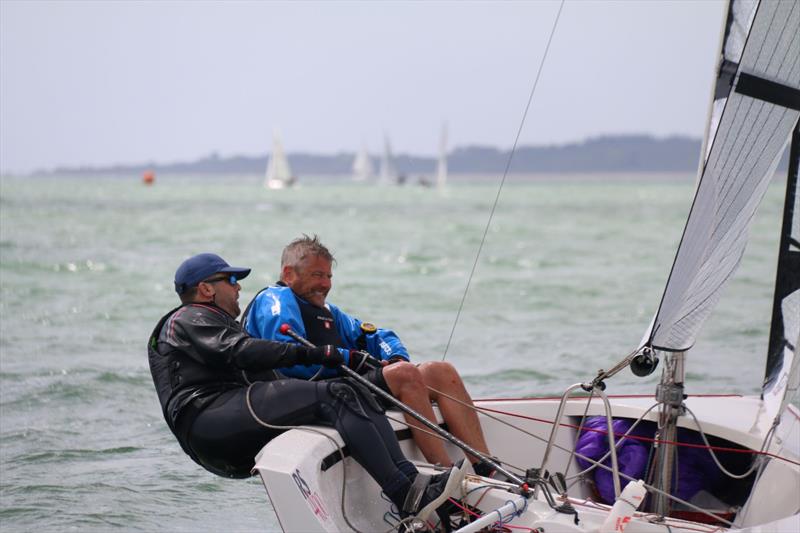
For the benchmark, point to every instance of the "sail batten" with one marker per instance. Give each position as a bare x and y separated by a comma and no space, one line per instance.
744,141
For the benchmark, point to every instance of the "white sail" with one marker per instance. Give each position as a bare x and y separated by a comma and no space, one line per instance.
388,172
362,166
753,115
279,174
441,166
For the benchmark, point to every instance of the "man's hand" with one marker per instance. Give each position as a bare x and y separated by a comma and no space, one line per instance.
327,356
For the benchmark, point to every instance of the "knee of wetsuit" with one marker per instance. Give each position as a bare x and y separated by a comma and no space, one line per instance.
369,399
346,397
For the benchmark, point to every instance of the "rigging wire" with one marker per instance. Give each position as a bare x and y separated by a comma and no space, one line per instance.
487,410
503,180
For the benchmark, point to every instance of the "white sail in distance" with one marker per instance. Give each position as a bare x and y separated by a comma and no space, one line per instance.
388,172
362,166
753,113
441,166
278,174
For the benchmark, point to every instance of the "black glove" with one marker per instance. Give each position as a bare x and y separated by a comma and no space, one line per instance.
361,361
327,356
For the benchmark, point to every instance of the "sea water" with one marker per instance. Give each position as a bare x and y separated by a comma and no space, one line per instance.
570,271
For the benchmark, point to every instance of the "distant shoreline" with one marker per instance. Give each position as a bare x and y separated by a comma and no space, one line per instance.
606,154
346,179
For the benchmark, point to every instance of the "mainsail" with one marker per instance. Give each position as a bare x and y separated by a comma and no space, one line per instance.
756,106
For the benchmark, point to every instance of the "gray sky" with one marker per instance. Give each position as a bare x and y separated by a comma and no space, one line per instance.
98,83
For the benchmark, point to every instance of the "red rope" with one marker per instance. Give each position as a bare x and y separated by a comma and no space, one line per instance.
618,436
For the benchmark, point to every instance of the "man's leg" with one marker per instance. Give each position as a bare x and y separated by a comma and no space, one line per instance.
365,431
462,421
370,439
406,383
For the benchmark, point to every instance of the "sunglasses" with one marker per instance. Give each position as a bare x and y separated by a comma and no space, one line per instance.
230,279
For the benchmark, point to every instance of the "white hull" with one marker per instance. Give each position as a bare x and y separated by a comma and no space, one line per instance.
302,471
275,184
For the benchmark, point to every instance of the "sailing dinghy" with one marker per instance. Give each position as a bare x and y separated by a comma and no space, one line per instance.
441,164
388,170
741,453
278,174
362,166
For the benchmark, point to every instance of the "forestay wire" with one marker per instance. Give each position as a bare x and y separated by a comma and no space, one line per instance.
503,180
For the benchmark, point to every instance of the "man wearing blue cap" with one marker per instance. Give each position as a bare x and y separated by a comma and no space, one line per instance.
199,357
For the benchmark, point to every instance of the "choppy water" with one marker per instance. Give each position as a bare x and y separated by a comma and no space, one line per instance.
570,275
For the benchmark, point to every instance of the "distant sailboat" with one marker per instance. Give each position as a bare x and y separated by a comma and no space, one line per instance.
388,172
279,175
362,166
441,167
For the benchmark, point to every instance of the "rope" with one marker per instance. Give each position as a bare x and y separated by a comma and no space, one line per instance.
503,180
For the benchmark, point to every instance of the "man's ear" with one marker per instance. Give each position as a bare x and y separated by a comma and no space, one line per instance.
287,274
205,291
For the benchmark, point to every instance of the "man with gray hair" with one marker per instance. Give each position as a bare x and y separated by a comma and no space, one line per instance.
299,300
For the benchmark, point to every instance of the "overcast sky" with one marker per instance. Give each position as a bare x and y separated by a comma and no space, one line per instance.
98,83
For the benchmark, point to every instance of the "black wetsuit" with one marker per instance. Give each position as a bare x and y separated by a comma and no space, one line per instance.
198,354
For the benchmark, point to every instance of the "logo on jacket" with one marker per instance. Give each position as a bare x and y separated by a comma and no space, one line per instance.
327,322
276,306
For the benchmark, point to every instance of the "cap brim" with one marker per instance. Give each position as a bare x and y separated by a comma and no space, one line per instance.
239,272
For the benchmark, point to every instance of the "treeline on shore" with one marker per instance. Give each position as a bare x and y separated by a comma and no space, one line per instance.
628,153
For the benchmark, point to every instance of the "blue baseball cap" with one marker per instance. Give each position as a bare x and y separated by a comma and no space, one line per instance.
200,267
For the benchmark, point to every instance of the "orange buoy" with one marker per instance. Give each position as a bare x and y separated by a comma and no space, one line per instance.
148,177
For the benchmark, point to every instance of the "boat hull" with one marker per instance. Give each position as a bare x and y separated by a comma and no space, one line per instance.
304,474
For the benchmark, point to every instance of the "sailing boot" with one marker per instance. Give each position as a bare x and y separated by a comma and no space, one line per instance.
427,493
